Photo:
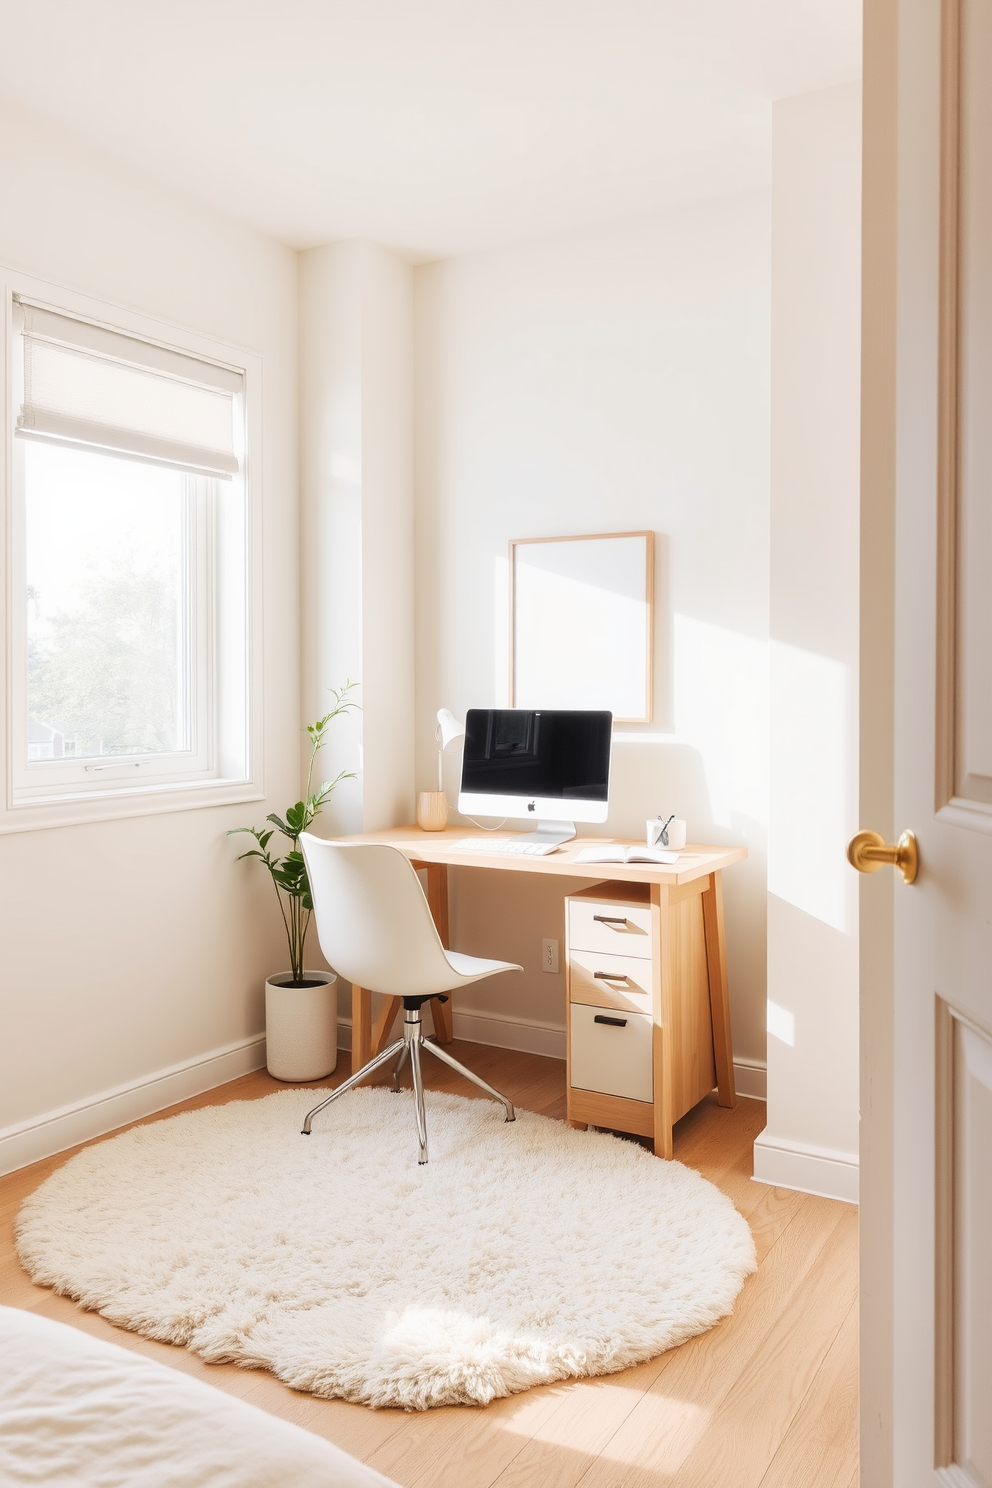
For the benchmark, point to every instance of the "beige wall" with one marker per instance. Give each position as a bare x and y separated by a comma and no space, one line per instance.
607,382
130,947
811,1140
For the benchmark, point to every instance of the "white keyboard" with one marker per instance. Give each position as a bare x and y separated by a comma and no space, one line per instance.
510,845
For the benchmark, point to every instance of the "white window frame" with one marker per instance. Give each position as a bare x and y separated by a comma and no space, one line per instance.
224,763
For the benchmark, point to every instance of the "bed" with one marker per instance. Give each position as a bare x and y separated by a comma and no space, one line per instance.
77,1411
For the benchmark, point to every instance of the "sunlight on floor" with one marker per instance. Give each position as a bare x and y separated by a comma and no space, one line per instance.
672,1426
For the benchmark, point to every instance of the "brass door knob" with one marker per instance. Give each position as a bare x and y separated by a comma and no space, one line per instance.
867,851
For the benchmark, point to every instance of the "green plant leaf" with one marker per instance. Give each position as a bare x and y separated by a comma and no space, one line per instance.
288,873
296,817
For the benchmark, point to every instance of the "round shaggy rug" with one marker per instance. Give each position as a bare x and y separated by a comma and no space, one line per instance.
522,1253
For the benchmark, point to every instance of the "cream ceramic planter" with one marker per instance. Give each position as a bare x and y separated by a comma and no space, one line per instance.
301,1027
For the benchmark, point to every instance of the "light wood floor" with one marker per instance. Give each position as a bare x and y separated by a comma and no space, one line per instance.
768,1397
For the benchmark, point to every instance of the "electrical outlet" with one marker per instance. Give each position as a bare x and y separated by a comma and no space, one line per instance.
549,955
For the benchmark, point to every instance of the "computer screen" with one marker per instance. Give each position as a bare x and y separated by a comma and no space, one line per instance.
537,764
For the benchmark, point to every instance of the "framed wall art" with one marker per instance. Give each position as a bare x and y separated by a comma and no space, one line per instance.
582,623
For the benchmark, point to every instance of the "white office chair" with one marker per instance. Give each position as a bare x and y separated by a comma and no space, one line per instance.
376,929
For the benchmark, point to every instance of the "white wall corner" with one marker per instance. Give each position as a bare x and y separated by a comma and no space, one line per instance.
356,434
388,540
812,913
54,1131
815,1170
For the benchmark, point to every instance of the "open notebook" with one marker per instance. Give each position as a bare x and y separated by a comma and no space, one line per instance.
611,853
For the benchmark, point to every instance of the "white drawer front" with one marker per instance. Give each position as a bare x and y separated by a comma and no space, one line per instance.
610,981
618,929
614,1057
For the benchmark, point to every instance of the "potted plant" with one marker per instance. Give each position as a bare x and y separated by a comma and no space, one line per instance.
301,1012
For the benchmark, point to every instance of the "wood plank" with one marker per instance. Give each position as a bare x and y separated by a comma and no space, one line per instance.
689,890
763,1401
820,1448
614,1112
566,1443
693,1072
716,958
685,1430
458,1447
696,860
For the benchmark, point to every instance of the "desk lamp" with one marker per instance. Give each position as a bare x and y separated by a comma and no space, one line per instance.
432,806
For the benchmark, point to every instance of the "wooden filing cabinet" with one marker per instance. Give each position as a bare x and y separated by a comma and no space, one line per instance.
640,1043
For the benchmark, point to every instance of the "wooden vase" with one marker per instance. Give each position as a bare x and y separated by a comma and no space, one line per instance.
432,811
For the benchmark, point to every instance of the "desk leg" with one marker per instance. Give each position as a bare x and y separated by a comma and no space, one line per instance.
716,966
663,973
361,1027
437,898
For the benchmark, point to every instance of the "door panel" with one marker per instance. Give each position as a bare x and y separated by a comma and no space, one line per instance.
972,1389
963,1356
973,107
927,696
964,510
956,916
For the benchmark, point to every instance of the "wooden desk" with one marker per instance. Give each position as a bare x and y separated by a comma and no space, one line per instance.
686,914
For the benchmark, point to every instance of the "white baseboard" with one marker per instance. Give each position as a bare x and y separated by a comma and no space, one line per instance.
54,1131
502,1033
750,1076
751,1079
509,1033
813,1170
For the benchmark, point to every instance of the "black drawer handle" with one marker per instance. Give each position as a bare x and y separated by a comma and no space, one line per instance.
610,919
612,1022
610,976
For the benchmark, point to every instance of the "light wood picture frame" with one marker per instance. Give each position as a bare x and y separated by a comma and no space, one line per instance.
582,623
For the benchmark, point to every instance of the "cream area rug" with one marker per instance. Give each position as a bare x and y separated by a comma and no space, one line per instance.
522,1253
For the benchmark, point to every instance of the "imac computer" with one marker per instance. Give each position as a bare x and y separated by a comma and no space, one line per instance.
549,766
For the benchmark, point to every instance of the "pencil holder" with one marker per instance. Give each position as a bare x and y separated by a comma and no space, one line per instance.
432,811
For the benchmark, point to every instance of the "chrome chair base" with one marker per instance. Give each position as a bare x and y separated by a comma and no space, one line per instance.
410,1047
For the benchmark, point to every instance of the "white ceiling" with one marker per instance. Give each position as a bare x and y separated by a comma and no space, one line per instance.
435,126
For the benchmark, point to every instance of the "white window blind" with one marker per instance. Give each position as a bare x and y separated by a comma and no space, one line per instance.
85,385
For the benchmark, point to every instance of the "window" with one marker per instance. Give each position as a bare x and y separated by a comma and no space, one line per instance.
129,605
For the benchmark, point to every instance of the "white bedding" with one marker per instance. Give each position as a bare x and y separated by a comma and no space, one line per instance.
77,1411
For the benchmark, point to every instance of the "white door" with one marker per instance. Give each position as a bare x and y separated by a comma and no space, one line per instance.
927,744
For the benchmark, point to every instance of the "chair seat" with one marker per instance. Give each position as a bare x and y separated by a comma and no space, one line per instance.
377,930
474,967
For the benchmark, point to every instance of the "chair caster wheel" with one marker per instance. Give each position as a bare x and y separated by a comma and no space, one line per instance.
306,1134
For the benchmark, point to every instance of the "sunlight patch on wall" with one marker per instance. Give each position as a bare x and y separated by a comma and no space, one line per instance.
721,707
813,792
782,1024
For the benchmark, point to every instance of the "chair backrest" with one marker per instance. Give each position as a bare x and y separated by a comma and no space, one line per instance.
373,921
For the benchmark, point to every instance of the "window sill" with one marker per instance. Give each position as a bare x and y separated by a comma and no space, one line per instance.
150,800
